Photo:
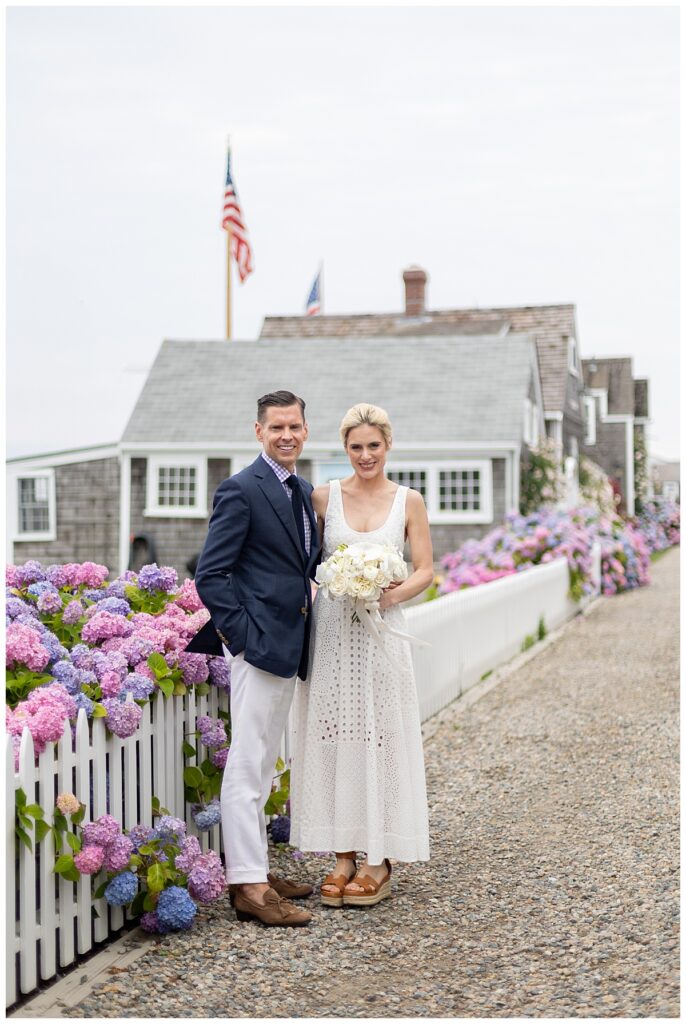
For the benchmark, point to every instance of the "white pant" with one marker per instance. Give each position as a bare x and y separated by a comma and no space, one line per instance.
260,703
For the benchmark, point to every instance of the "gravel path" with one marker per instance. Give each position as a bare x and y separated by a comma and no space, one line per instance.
553,888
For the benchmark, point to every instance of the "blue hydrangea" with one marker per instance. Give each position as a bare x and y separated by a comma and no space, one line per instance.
175,909
42,587
65,673
115,605
139,835
169,829
95,594
122,889
82,701
154,577
281,829
55,649
138,685
208,817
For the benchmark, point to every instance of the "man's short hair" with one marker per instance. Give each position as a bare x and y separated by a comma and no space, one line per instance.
280,398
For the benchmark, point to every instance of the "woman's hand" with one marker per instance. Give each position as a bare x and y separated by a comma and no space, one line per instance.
388,599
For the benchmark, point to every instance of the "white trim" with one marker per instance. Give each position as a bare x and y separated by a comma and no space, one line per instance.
333,449
601,395
527,432
642,421
13,479
553,416
124,511
590,431
573,364
172,458
109,451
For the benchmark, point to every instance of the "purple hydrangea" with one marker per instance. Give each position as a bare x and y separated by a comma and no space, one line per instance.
139,835
14,606
149,922
154,577
82,657
212,731
110,661
65,673
57,576
29,572
175,908
190,851
40,588
117,853
72,613
220,673
101,832
55,649
136,649
281,829
115,605
122,718
207,817
122,889
219,757
49,603
207,881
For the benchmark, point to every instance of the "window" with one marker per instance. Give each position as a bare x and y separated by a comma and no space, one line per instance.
459,491
323,472
530,432
35,505
590,436
415,478
176,486
572,356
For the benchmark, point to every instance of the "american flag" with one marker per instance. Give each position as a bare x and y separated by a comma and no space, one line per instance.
232,220
314,299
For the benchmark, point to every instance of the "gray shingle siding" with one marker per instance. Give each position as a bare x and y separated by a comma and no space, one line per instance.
87,517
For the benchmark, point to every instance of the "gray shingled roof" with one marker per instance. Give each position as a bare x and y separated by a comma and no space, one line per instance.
434,388
615,376
551,325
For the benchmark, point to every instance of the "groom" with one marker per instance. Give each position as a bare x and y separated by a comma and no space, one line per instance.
253,576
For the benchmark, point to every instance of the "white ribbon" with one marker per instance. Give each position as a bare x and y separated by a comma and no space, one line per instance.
370,616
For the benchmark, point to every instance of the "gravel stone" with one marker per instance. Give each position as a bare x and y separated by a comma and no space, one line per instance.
553,885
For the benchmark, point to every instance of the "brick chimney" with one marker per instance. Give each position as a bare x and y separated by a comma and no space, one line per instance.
415,285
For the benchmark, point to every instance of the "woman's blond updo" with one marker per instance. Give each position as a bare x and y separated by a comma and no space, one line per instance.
366,415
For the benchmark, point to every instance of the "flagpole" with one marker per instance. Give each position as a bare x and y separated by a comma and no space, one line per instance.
228,285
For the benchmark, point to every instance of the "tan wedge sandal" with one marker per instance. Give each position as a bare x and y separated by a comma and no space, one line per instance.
373,893
332,899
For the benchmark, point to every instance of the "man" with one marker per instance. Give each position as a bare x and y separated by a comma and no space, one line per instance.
253,576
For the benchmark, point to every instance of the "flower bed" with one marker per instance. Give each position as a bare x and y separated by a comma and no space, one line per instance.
660,524
523,541
76,641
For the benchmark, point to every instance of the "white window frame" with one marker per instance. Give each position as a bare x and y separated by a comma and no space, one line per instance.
573,355
34,535
433,471
590,434
175,460
321,476
528,439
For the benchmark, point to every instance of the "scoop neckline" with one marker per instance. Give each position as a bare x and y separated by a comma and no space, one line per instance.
365,533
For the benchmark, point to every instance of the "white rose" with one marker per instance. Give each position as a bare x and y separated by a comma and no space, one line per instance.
338,585
382,579
367,590
370,571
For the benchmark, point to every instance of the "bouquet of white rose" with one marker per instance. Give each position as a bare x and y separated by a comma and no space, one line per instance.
362,572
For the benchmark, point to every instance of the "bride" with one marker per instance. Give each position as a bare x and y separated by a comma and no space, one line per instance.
358,766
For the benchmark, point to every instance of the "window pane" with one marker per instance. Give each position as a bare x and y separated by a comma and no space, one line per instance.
176,486
33,504
415,478
459,490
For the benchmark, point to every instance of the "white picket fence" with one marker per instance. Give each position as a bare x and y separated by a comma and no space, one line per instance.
470,632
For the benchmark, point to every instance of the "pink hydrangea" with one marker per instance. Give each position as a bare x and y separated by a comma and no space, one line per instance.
105,625
23,647
187,597
67,803
194,667
90,574
110,684
43,713
12,576
123,718
89,860
206,880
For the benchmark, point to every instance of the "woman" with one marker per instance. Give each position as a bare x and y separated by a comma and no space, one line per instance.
358,771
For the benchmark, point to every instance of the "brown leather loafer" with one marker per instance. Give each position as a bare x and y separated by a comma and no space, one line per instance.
276,912
285,887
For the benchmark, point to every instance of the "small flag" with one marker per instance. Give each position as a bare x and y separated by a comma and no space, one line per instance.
314,306
232,220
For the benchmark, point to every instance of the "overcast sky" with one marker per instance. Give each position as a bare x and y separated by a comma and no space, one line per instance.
520,155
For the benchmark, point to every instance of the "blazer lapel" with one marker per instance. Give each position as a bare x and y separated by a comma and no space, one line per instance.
273,490
314,534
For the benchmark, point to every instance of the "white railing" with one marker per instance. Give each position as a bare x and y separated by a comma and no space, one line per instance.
470,632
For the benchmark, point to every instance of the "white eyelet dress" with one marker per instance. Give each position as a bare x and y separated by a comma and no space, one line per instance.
358,765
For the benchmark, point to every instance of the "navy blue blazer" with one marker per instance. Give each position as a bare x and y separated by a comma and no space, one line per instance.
252,574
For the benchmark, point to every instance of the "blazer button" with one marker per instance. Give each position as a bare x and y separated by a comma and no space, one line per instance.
303,611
